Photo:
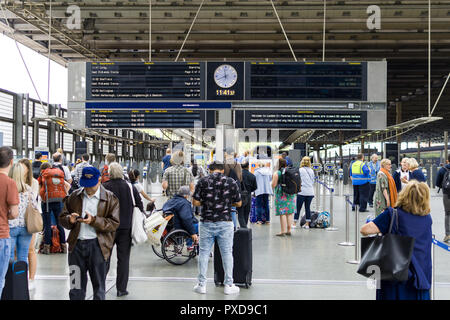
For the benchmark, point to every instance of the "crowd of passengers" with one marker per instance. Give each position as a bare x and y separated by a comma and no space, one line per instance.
96,206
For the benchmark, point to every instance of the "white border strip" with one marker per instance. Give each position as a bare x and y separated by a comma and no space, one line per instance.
258,281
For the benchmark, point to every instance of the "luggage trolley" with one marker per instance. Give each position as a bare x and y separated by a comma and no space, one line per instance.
175,245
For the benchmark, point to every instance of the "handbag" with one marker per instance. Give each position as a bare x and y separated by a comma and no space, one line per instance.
33,218
391,253
155,226
138,234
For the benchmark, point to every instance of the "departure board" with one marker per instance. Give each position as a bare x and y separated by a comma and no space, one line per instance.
334,81
301,119
145,81
149,118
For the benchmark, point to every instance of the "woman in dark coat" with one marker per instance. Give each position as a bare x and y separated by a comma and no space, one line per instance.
121,190
414,220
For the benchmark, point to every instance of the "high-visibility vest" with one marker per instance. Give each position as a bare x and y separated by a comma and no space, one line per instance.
358,176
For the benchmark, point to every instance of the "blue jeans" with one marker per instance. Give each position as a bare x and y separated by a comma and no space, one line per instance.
233,217
307,200
20,239
223,232
54,210
189,241
262,208
5,252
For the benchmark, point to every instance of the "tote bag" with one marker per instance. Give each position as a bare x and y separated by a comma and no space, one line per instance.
138,234
390,252
33,218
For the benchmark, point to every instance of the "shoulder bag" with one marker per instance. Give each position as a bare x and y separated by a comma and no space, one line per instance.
138,233
390,254
33,218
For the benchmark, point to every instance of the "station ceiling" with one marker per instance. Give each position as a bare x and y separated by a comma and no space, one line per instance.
249,30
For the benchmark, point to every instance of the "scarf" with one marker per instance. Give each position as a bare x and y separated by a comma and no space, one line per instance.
392,187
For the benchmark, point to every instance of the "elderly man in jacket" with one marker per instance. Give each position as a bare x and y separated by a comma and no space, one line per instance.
92,215
184,218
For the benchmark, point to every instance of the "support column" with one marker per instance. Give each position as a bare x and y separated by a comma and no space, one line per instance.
398,119
27,125
418,149
445,146
51,130
18,124
362,147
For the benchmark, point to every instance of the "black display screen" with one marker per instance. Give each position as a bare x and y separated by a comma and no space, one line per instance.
301,119
306,81
149,118
145,81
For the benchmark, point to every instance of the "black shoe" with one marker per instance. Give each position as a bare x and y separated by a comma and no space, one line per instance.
122,293
353,209
363,210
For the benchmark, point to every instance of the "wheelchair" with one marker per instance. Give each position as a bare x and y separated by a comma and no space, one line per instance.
177,246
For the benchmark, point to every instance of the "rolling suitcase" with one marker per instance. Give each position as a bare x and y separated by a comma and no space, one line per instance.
242,259
16,282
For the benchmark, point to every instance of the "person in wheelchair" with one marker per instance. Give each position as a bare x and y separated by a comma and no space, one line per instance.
183,217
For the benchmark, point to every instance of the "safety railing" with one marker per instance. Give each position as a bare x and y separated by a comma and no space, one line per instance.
441,245
331,205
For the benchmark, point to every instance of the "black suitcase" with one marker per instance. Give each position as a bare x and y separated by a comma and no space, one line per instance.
16,282
242,259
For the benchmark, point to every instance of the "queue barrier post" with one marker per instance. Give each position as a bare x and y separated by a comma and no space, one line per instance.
357,239
347,242
331,227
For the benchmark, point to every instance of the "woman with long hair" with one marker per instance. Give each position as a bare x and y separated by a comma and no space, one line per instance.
19,236
414,220
306,195
134,175
34,184
284,203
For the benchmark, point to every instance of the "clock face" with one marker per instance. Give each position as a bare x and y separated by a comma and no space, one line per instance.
225,76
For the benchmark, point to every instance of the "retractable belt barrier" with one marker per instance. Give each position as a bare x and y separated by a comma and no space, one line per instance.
347,242
442,246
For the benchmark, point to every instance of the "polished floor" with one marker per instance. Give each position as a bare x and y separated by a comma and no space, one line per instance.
309,265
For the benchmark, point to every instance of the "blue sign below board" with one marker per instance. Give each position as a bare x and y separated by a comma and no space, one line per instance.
158,105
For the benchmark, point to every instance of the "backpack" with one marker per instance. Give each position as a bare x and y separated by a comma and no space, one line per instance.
245,195
56,245
105,173
323,220
290,180
52,189
446,182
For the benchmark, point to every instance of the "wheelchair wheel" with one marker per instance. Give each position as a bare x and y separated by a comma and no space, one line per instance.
157,250
175,247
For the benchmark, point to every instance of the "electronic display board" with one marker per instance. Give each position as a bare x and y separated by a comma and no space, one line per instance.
301,119
159,119
145,80
333,81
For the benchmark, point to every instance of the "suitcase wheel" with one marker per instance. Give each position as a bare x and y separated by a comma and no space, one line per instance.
218,284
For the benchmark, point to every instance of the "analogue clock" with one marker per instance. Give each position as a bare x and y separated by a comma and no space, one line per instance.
225,76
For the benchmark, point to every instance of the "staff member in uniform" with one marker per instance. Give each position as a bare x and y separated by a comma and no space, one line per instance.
374,167
360,174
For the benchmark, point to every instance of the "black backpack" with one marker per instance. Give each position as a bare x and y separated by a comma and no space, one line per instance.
245,196
290,180
446,182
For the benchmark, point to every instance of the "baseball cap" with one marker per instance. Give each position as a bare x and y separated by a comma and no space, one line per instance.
89,177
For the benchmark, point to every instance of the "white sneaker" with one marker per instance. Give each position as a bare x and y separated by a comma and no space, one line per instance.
200,289
231,289
31,285
305,226
293,226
